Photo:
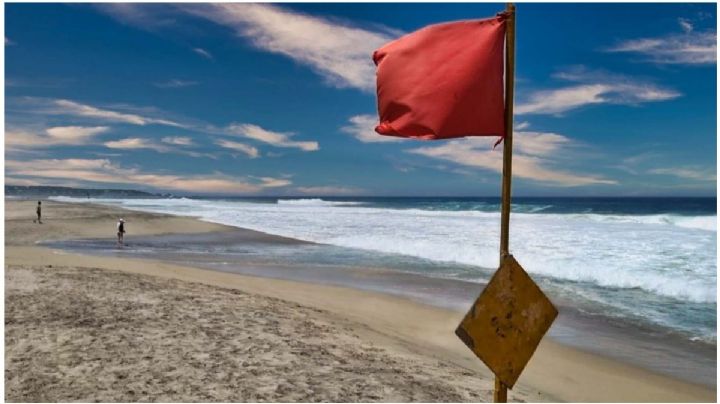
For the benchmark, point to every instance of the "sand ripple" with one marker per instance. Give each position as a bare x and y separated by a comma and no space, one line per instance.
83,334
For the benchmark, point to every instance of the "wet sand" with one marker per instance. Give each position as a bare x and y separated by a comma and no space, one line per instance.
117,329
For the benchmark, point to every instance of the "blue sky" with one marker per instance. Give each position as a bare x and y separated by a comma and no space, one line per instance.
258,99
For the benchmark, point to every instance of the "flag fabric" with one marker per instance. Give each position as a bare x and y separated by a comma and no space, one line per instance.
443,81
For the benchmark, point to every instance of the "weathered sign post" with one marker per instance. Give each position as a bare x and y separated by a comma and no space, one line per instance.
509,318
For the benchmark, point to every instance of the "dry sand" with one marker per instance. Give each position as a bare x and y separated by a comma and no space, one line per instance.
81,328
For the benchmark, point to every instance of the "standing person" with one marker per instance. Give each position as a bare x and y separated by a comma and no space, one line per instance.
38,210
120,231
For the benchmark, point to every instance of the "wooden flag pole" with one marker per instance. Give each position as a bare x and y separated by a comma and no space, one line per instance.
500,394
508,141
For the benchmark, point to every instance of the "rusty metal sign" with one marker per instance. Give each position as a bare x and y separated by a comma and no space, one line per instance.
507,321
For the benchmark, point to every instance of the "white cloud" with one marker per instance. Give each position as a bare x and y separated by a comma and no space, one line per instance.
269,182
278,139
522,125
531,160
105,154
688,48
168,146
686,25
561,100
568,98
362,127
148,16
58,135
690,173
631,164
329,190
202,52
178,140
176,83
241,147
72,108
250,131
8,42
137,143
104,171
596,87
21,181
75,134
338,52
539,143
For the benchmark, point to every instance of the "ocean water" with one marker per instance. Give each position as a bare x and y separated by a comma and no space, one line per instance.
645,261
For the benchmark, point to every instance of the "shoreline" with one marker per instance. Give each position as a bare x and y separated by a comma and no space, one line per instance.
556,372
245,252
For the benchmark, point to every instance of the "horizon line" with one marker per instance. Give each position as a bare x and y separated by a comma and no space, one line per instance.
162,193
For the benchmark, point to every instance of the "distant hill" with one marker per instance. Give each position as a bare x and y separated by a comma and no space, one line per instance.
45,191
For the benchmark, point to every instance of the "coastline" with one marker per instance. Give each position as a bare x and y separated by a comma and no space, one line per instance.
556,372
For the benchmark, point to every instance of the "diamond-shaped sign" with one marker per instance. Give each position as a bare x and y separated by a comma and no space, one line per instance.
507,321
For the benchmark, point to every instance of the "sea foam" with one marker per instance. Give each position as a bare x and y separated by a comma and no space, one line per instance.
315,202
666,255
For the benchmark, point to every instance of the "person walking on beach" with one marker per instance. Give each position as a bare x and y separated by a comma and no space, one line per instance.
120,231
38,210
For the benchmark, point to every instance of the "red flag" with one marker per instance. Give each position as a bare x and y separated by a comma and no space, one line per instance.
443,81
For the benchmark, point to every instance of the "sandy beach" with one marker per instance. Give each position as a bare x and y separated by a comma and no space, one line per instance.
88,328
